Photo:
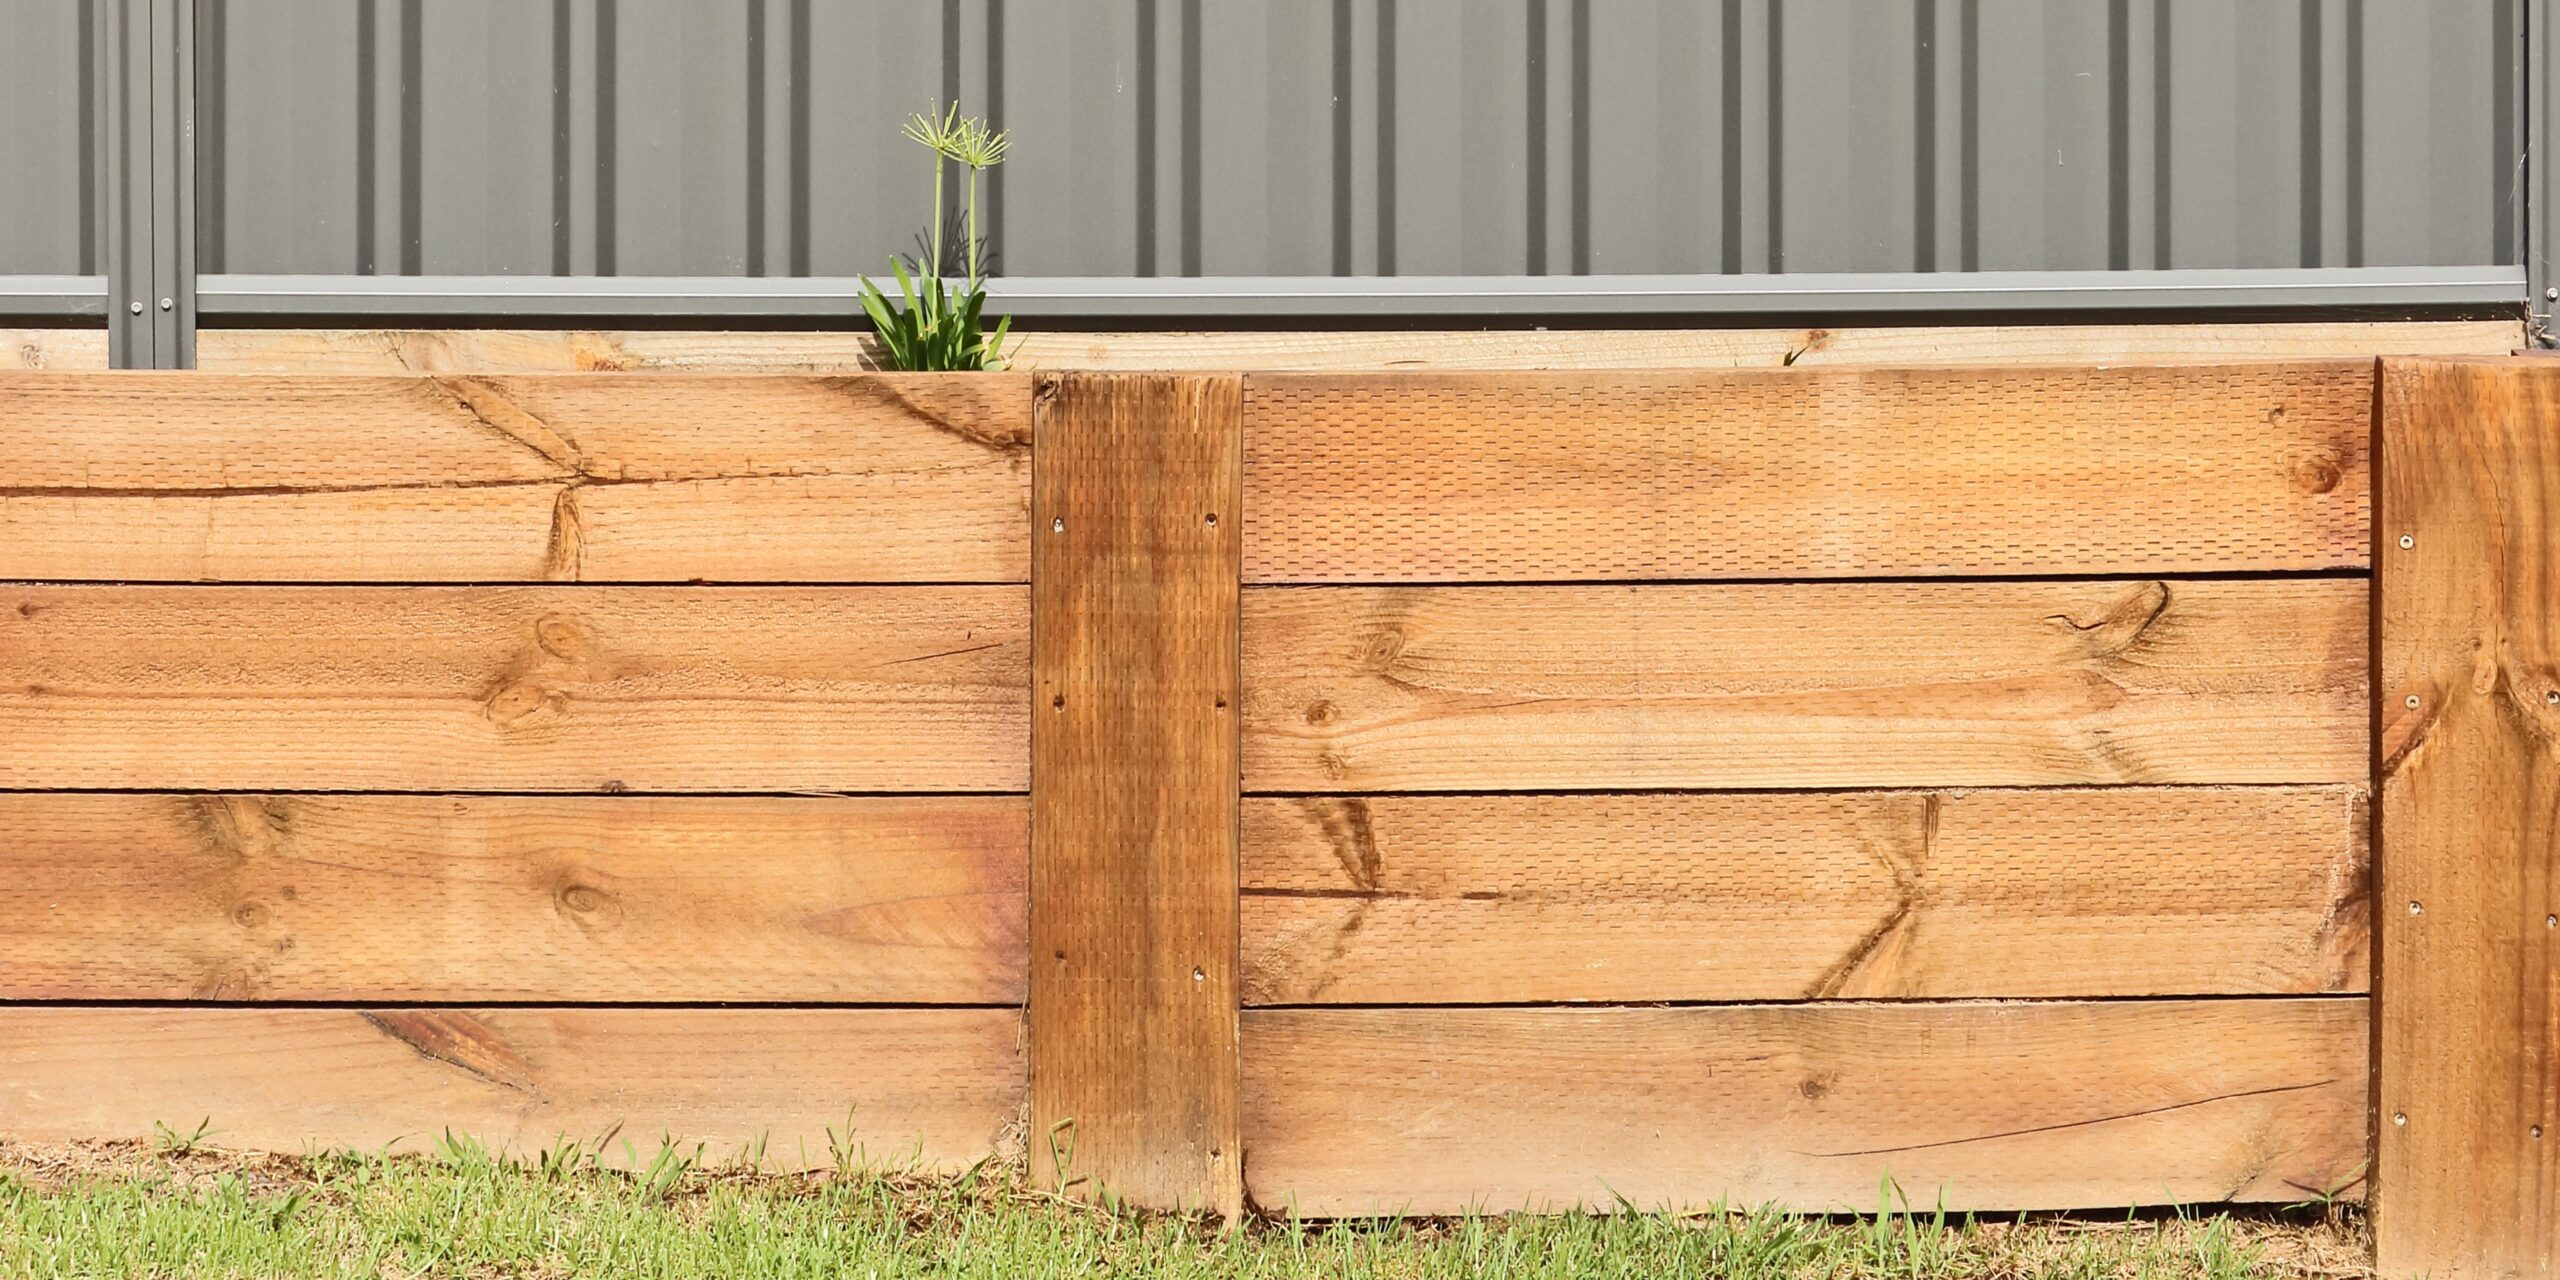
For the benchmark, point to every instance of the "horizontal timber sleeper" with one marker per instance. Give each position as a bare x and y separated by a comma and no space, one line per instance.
667,478
609,899
2130,891
1969,1106
1807,474
943,1087
515,688
266,350
1623,687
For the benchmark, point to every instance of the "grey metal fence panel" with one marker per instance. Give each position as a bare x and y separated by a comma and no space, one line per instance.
1279,138
50,141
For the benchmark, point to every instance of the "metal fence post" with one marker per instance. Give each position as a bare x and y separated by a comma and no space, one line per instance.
149,87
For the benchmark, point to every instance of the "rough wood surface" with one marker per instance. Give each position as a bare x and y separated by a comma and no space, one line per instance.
941,1085
1133,826
2467,1182
53,349
875,478
1806,473
570,351
514,688
568,899
1810,1107
1851,685
1786,896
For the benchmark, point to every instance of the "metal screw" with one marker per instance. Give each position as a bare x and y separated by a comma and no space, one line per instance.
137,306
2552,697
2551,294
2407,542
167,304
2551,922
2399,1117
1198,976
1213,519
1058,525
2536,1131
2414,908
2412,701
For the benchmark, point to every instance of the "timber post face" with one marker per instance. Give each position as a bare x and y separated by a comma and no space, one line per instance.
1137,541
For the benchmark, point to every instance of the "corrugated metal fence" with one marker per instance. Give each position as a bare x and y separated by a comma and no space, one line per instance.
1262,140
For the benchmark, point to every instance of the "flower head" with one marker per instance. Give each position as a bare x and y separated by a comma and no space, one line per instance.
962,139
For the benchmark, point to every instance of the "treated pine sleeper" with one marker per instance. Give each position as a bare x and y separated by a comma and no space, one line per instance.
868,478
2467,1169
1848,685
1417,477
915,900
940,1086
579,351
1133,842
1353,1112
514,688
1781,896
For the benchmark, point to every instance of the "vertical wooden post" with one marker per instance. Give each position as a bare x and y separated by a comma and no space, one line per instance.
2467,1168
1135,570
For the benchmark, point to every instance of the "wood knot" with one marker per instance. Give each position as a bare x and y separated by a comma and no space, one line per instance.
2124,622
519,699
1385,645
249,915
587,906
1814,1087
2316,472
1323,713
239,826
561,637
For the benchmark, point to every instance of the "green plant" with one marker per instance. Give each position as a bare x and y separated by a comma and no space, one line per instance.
172,1142
935,324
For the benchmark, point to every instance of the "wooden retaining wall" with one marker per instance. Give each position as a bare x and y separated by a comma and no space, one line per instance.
1386,793
585,758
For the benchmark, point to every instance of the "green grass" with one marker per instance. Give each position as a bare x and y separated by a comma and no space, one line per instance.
185,1210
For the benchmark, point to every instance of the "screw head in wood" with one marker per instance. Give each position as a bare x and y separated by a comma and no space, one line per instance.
2551,922
2414,908
2552,697
2536,1131
2399,1117
1199,976
1058,524
2407,542
2411,701
1213,519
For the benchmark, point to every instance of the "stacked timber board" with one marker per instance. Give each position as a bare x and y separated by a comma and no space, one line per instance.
613,758
1751,787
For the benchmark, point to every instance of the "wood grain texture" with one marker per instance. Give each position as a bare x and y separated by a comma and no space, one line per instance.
576,351
514,688
2467,1180
1788,896
1133,827
53,349
943,1086
879,900
1809,1107
1806,473
1851,685
873,478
